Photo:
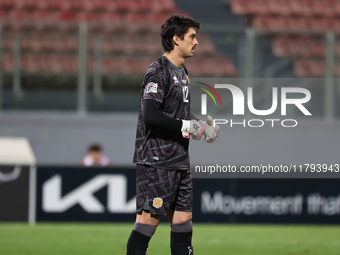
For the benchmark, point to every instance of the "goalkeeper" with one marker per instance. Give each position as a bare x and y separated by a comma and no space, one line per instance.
163,179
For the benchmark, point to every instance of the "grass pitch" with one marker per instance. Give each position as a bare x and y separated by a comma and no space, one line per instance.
209,239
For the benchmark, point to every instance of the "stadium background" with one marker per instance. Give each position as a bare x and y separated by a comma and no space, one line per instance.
70,75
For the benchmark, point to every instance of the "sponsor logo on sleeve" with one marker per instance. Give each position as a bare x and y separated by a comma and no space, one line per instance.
151,87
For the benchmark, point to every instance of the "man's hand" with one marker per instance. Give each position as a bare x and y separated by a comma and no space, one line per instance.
210,132
192,127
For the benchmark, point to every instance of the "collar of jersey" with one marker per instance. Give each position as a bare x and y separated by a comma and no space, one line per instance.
172,63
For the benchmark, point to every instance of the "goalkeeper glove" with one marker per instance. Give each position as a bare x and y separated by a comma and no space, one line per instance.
210,132
192,127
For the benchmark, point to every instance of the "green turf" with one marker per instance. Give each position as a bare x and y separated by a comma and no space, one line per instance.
209,239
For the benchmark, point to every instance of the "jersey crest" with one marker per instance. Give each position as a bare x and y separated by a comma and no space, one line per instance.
157,202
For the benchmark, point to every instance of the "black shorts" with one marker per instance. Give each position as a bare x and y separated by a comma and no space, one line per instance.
159,191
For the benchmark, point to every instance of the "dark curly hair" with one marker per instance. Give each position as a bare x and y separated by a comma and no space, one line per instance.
176,25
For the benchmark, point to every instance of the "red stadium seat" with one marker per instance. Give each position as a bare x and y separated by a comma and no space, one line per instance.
70,5
7,44
122,5
128,47
135,18
169,6
43,20
73,64
26,44
30,64
260,7
67,22
110,6
109,46
156,18
310,67
336,23
72,45
3,15
138,22
328,24
262,23
288,23
94,5
337,8
16,15
58,45
125,66
17,20
25,4
307,8
151,46
324,8
281,23
274,7
318,49
111,18
295,24
133,65
7,4
318,25
112,22
7,62
48,4
330,8
43,5
90,5
302,45
301,7
144,5
87,17
307,23
240,6
43,44
285,7
66,16
108,65
317,68
43,15
337,49
132,6
163,6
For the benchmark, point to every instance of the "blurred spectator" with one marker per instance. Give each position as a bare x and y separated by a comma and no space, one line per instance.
95,157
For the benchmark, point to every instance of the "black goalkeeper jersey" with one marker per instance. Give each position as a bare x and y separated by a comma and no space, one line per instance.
168,85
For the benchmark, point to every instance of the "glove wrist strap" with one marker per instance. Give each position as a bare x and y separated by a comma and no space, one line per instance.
185,128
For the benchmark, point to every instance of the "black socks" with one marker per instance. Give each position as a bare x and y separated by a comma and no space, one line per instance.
181,235
137,244
139,239
181,243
